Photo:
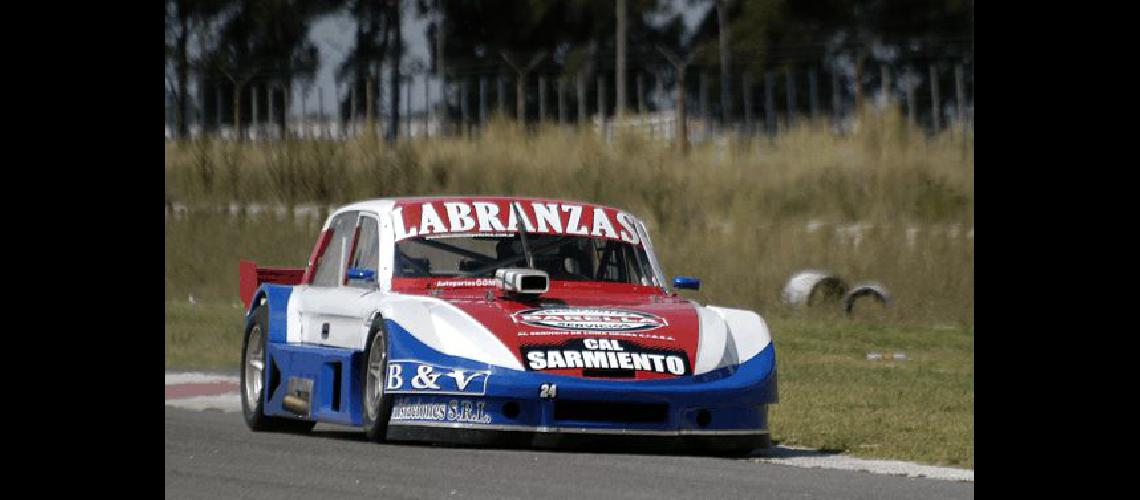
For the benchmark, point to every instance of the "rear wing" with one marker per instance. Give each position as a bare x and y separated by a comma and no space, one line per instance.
251,277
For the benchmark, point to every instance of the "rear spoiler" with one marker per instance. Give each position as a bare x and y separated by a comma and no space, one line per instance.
251,277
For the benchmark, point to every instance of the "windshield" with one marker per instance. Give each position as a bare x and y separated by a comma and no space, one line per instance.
565,258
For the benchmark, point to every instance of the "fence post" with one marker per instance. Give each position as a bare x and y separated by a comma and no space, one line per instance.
482,100
541,98
427,105
463,107
602,102
960,91
934,105
659,89
746,94
501,94
272,119
911,112
836,112
770,102
885,74
218,106
408,81
201,107
369,109
253,100
322,127
285,112
790,95
301,123
581,98
703,100
813,90
561,86
640,94
352,108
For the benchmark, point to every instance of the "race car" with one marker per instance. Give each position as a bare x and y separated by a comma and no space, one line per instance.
499,319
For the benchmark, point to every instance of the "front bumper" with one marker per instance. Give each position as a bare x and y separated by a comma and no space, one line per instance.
727,407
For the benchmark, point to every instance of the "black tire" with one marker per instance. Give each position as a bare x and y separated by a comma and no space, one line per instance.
254,411
375,419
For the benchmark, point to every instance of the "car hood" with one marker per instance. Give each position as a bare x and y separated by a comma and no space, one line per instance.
589,333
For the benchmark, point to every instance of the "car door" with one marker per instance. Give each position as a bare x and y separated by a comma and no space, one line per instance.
334,308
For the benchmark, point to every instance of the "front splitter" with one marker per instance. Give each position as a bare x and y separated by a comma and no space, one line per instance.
587,439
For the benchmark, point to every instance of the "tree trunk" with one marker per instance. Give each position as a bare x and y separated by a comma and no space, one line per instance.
370,121
682,116
619,76
725,63
520,98
394,86
237,111
182,68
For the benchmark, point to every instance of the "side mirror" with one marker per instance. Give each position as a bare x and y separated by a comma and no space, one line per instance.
359,273
686,283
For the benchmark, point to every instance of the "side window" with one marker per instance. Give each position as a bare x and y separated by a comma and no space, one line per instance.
367,252
331,264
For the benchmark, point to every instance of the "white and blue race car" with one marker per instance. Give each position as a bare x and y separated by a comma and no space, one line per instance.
491,319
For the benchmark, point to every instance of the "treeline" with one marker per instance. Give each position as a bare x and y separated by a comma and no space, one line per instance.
251,44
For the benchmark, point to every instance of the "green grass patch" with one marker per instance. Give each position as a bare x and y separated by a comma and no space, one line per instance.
833,397
203,335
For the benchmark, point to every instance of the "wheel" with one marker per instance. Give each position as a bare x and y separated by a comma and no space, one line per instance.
377,404
253,377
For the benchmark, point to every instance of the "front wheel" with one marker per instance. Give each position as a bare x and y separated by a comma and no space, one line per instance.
377,403
253,376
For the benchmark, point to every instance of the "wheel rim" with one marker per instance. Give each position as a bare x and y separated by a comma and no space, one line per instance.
254,366
374,388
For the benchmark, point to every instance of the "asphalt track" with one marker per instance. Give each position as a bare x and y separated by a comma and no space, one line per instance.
212,454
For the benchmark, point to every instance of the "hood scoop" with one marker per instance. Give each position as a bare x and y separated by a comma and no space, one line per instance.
522,281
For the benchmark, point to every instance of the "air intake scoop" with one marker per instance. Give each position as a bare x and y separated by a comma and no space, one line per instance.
523,281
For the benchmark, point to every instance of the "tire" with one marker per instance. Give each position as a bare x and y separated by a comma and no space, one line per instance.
377,405
253,378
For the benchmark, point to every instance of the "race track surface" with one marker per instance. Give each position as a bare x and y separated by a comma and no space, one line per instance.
212,454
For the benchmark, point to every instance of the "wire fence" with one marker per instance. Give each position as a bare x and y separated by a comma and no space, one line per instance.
931,95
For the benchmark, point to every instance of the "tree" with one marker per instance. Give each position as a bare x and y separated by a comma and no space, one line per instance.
370,48
620,72
723,30
678,49
264,39
394,23
182,16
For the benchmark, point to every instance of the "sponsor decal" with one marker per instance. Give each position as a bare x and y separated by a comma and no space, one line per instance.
442,218
413,376
605,357
590,319
456,410
466,283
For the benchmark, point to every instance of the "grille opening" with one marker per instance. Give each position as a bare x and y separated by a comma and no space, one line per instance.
511,410
704,418
608,411
335,386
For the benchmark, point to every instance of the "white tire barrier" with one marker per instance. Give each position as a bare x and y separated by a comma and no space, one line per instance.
811,287
872,289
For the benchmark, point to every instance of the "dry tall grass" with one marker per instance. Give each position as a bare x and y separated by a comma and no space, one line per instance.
740,214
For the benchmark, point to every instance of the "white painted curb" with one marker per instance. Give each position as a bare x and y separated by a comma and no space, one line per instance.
809,458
